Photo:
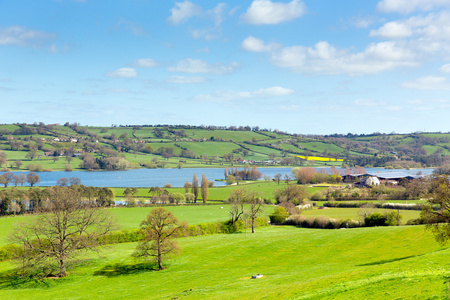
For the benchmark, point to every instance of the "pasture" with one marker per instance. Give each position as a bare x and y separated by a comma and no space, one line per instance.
131,217
364,263
352,213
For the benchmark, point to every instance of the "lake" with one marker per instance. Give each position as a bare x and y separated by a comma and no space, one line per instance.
175,177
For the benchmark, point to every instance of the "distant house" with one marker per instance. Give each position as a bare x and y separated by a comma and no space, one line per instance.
370,181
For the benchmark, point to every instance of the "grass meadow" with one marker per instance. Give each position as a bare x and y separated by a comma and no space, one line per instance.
352,213
364,263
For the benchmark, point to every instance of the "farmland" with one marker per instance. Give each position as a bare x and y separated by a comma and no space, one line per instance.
364,263
65,147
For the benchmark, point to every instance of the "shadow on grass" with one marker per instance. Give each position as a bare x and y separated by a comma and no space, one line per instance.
125,269
386,261
10,280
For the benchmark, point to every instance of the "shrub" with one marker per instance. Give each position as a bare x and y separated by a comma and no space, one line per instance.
290,208
386,219
279,215
318,196
189,197
375,219
292,193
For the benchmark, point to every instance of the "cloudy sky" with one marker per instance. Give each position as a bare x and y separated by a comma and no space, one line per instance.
301,66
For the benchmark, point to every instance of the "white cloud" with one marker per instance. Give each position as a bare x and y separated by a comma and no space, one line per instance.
408,6
323,58
429,104
184,11
445,69
185,80
190,65
392,30
361,22
428,83
224,96
426,36
145,63
21,36
253,44
263,12
431,31
218,14
272,91
123,73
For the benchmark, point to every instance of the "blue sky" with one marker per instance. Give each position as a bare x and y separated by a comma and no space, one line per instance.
310,67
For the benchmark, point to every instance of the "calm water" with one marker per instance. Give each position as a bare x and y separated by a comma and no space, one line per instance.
160,177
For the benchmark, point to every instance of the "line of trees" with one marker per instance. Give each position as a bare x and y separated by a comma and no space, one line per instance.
16,201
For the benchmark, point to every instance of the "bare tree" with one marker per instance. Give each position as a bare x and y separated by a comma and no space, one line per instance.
277,177
66,224
22,178
74,181
245,202
255,206
160,227
304,175
236,200
366,210
62,181
18,163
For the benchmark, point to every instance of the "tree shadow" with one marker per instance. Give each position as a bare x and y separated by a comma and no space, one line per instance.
386,261
118,269
11,280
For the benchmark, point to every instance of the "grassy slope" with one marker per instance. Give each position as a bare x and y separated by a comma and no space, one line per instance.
366,263
210,148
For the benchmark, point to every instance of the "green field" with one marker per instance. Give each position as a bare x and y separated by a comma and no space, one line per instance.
131,217
352,213
264,188
365,263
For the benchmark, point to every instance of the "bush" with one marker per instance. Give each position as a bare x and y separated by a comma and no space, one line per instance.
279,215
375,219
318,196
386,219
292,193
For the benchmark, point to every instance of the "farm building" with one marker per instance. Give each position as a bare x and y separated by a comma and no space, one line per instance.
368,178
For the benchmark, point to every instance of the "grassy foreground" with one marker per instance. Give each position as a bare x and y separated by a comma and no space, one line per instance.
364,263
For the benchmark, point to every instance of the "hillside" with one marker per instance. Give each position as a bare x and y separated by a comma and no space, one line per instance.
40,147
366,263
